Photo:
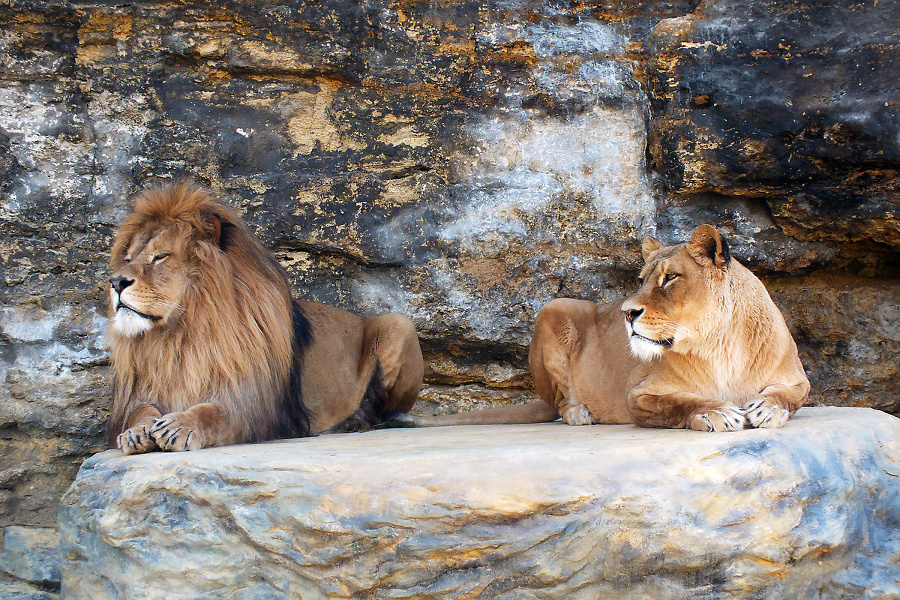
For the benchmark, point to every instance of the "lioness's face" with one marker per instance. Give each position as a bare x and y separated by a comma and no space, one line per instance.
148,282
677,299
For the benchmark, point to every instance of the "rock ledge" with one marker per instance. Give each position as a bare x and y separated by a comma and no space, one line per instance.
536,511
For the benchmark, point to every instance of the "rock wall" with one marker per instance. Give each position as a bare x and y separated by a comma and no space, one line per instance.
500,512
460,162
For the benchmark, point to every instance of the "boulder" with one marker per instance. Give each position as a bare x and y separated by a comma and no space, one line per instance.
526,511
31,554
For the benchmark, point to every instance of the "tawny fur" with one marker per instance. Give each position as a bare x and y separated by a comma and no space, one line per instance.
699,345
209,349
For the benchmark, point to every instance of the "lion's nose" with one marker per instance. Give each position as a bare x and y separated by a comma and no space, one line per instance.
120,283
632,314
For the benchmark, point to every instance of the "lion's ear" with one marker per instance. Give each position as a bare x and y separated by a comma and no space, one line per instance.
649,246
220,230
707,245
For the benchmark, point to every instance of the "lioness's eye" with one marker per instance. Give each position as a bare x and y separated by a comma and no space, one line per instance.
669,278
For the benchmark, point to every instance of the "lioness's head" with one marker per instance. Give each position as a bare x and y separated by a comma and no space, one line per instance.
681,292
155,256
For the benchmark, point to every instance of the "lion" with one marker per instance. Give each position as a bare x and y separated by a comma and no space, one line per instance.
209,348
700,345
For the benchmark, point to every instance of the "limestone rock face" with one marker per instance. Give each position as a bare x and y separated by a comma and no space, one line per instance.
540,511
31,554
459,162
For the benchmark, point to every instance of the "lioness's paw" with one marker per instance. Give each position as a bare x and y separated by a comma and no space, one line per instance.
135,440
765,414
727,418
577,415
174,433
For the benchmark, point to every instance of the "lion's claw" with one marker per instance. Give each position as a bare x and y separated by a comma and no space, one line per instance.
173,436
762,413
135,440
727,418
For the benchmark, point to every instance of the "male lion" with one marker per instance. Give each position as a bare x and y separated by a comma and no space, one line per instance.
709,350
209,349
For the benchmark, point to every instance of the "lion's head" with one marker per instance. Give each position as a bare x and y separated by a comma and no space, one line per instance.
681,296
175,243
151,273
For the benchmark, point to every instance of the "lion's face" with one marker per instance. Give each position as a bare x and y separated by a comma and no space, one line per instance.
149,280
680,296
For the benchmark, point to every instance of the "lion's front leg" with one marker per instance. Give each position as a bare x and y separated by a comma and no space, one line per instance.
136,438
724,418
764,413
775,404
684,410
200,426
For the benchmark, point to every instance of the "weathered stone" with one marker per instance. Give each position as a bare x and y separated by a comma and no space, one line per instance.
31,554
752,101
538,511
16,590
459,162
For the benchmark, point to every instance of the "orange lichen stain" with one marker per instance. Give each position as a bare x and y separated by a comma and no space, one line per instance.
666,62
118,26
457,48
676,28
488,272
32,18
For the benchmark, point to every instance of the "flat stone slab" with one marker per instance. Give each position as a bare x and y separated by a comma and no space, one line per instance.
502,512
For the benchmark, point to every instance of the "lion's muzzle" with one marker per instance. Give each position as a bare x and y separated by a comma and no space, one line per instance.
119,283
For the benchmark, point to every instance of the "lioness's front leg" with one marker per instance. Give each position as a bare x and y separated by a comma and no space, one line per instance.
679,410
200,426
776,404
136,438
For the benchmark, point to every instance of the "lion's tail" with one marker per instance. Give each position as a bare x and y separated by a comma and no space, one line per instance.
533,412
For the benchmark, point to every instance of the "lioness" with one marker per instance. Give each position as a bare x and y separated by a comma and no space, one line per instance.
699,345
209,349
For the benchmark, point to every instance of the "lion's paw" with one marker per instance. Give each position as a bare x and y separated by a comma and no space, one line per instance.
578,415
174,433
136,440
727,418
765,414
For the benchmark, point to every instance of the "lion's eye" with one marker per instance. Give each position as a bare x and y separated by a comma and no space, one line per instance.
158,258
669,278
640,281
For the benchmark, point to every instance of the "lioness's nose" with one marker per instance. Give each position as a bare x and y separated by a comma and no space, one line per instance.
120,283
632,314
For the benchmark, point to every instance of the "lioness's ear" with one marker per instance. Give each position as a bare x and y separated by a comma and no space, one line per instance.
649,246
707,245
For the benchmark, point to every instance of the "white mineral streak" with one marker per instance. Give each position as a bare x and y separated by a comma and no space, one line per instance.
502,512
521,166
